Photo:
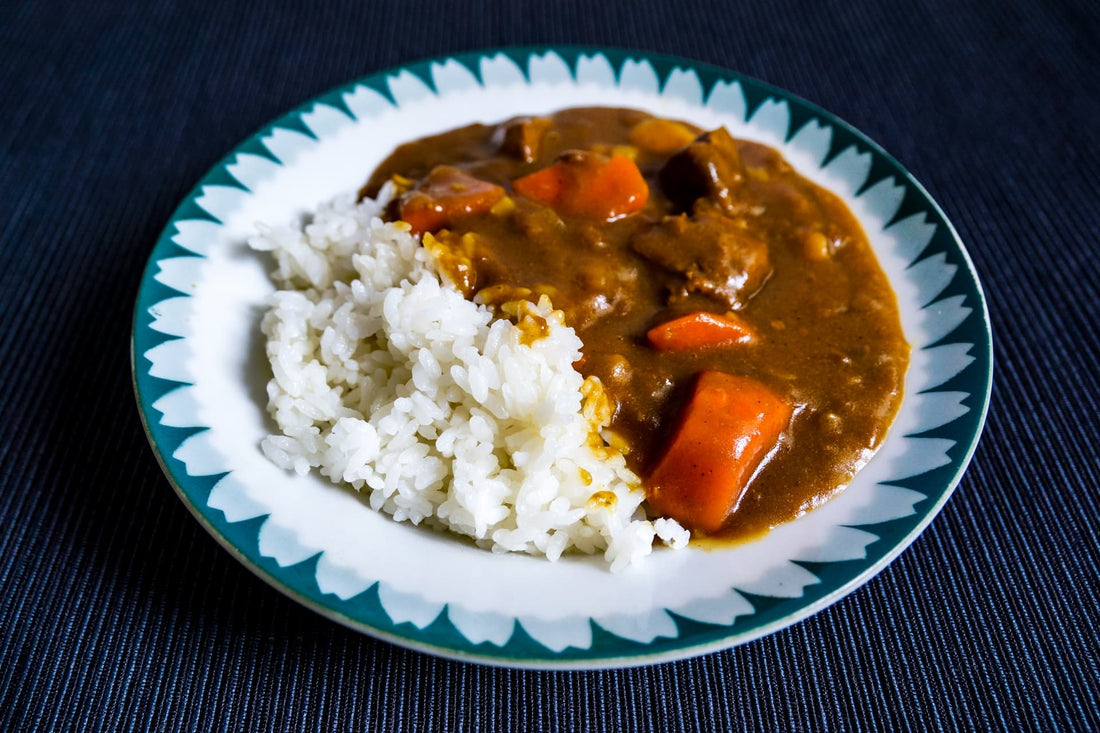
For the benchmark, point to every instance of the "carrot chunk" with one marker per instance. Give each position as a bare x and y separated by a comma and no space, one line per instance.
446,195
701,330
730,425
587,184
547,186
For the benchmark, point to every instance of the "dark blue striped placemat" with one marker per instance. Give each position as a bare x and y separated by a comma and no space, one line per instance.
117,611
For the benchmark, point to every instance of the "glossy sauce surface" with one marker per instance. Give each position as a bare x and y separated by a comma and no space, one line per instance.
730,228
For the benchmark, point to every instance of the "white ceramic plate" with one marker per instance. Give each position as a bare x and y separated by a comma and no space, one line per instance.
199,373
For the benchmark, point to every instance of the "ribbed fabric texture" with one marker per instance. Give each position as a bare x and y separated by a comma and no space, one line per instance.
117,610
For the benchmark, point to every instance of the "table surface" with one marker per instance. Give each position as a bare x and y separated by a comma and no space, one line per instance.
118,611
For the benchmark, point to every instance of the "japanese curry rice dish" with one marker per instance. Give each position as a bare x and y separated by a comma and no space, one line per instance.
586,332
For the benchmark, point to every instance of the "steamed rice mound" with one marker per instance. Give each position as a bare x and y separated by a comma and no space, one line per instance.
386,379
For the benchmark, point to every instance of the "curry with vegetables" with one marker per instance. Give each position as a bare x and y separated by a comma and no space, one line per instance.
744,334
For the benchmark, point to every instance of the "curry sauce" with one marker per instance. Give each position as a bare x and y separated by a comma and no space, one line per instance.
727,227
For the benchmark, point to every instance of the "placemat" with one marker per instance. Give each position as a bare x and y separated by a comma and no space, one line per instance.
118,612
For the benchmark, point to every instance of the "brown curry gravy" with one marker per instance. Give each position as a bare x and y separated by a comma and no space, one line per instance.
830,335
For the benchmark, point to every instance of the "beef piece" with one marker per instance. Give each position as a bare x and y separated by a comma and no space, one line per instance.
709,168
521,138
715,256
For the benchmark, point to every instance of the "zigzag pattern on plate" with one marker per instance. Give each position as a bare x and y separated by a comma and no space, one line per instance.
850,168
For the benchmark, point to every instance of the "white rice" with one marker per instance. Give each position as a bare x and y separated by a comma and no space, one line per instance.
388,380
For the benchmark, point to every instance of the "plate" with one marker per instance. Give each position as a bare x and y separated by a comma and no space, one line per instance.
200,375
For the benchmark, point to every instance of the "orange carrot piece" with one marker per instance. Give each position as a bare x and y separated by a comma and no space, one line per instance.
614,190
701,330
588,185
422,214
727,429
547,186
446,195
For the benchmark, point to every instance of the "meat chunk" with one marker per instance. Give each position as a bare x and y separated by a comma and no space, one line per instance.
521,138
716,259
709,168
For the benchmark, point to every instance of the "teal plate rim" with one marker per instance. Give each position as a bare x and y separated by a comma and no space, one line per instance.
365,611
